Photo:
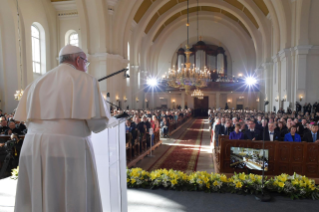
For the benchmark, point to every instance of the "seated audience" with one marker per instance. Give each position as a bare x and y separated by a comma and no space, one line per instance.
272,134
252,133
236,134
312,136
12,128
219,129
228,128
3,125
164,127
292,136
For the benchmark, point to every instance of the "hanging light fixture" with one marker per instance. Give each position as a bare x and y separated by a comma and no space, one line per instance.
186,75
197,93
19,93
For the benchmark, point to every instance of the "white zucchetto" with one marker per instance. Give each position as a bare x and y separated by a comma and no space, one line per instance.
69,49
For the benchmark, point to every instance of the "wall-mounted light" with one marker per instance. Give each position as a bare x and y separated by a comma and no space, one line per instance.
285,98
161,98
124,98
241,97
229,100
146,100
300,98
277,99
240,75
117,98
173,100
136,99
257,100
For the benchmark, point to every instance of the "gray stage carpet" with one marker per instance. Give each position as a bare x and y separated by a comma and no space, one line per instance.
140,200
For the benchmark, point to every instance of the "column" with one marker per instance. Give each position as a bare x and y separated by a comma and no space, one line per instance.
217,100
276,83
285,71
183,100
268,92
301,72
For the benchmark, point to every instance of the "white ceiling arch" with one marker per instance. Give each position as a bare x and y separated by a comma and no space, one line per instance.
170,39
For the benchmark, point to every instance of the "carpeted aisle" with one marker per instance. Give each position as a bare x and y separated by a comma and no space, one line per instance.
183,153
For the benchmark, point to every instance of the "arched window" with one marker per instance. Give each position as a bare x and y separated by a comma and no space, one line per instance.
36,49
74,39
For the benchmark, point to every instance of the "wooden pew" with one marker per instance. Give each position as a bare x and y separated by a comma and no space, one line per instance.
284,157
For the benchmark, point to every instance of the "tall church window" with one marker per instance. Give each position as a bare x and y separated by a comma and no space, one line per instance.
74,39
36,49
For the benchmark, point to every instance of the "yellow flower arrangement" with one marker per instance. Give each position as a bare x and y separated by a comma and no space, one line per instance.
223,178
239,185
281,184
294,186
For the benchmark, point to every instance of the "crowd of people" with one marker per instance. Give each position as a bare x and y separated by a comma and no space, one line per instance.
158,121
270,126
8,125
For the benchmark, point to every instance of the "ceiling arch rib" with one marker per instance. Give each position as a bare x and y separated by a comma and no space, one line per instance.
221,5
241,42
235,3
192,10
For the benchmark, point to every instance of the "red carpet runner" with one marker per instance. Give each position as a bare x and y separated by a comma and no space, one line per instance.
183,153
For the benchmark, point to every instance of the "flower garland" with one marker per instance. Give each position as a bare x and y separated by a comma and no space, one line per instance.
295,186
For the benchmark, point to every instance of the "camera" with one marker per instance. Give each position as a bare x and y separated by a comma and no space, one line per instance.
11,143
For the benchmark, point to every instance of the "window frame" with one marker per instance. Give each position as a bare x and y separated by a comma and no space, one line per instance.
33,51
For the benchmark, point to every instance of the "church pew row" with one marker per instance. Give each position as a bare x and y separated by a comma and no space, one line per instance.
284,157
140,148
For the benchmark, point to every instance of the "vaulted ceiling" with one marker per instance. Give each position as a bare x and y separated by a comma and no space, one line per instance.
146,4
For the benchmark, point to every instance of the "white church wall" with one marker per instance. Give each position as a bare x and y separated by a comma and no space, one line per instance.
313,23
9,82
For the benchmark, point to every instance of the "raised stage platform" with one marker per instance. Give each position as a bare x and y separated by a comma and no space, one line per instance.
174,201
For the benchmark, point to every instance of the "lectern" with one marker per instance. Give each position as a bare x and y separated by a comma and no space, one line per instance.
110,155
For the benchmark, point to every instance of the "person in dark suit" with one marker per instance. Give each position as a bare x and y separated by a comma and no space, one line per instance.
272,134
3,125
314,107
292,136
218,130
312,136
228,128
252,133
298,107
282,130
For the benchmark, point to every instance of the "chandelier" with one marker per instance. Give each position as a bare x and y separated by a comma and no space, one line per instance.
197,93
19,93
187,76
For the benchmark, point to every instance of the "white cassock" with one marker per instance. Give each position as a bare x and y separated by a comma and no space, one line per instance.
57,170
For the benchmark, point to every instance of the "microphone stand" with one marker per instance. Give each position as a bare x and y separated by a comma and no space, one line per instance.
111,75
263,197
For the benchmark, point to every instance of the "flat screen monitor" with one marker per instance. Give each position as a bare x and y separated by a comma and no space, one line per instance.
248,158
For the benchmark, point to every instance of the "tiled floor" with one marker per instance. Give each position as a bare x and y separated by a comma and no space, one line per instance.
205,161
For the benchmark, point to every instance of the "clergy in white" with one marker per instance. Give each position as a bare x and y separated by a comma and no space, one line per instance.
57,170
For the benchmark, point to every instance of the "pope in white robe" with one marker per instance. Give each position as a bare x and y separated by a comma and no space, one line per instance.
57,170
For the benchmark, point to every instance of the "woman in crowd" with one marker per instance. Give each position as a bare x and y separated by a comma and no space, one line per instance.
155,126
164,127
236,135
292,136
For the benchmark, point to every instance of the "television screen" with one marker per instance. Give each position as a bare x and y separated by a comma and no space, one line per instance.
248,158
